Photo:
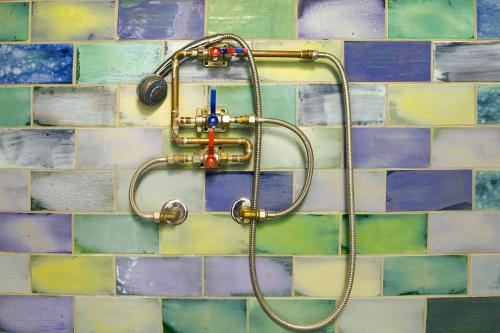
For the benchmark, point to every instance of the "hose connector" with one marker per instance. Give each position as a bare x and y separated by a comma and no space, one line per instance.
173,212
242,213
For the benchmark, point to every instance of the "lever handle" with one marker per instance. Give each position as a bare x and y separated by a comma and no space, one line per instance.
212,119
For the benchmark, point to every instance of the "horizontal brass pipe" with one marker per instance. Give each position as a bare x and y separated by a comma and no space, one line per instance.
304,54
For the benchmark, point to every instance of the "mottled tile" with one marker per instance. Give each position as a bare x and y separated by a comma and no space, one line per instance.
487,190
15,21
23,232
464,232
117,314
391,147
488,19
388,234
488,104
87,20
37,314
425,275
149,19
429,190
97,234
465,147
230,276
36,63
431,19
15,106
387,61
321,104
116,63
222,189
383,315
353,19
212,315
466,61
72,190
83,275
431,104
470,314
125,148
15,274
485,272
164,276
33,148
325,276
14,190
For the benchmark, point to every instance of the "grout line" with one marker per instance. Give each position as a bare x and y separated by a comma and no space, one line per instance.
475,21
115,20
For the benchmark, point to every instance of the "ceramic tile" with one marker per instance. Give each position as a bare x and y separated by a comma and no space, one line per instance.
488,19
485,270
149,19
164,276
72,275
72,190
15,21
487,190
488,104
15,106
353,19
24,232
230,276
425,275
97,234
15,274
14,190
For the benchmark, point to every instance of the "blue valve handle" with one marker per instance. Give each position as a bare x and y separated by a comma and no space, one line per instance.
212,119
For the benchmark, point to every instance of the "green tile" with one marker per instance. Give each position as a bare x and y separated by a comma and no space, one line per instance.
298,311
117,63
15,21
15,106
96,233
253,19
425,275
388,234
431,19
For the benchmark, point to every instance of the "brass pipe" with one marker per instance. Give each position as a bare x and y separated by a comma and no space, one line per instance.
304,54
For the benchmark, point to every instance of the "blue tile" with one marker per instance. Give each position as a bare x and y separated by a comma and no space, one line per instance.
387,61
487,189
488,104
36,63
224,188
488,18
391,147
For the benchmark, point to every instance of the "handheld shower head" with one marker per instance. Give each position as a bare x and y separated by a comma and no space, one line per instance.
152,89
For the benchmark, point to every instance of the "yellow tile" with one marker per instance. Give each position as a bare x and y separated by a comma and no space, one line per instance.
431,104
72,275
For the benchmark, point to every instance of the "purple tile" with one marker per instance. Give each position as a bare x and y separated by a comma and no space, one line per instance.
224,188
160,276
152,19
24,232
429,190
230,276
387,61
33,314
391,147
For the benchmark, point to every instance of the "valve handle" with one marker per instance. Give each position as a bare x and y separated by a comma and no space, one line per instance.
212,119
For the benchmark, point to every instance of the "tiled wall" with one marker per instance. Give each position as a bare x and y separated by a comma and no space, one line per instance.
426,150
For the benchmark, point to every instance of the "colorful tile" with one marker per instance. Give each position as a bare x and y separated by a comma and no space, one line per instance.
415,190
487,190
388,234
116,63
15,21
23,232
15,274
425,275
465,147
230,276
470,314
324,276
391,147
125,148
72,275
89,20
14,190
15,106
97,234
431,19
321,104
464,233
387,61
72,190
212,315
488,19
431,104
37,314
117,314
30,148
485,270
36,63
149,19
255,19
466,62
164,276
315,18
488,104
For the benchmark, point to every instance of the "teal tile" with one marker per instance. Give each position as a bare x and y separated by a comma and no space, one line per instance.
488,104
487,190
15,106
425,275
15,21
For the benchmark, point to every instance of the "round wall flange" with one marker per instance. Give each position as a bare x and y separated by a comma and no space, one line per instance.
178,205
236,209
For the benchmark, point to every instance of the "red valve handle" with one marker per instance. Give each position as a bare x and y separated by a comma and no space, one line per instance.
214,51
210,160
